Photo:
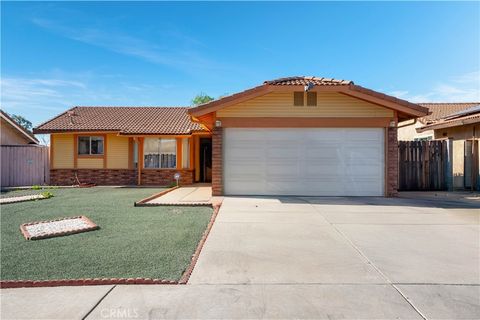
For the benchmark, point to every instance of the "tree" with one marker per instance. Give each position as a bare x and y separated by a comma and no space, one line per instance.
201,98
22,121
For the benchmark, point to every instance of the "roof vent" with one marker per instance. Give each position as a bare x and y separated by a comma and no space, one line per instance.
309,86
70,115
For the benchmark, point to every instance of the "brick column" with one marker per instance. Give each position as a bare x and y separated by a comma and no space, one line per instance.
217,161
392,163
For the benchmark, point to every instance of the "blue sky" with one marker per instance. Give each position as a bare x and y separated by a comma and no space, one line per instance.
60,54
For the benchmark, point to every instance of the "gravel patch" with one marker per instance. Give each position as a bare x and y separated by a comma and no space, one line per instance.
54,228
21,198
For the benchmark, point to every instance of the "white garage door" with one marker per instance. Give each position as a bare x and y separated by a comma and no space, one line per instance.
306,161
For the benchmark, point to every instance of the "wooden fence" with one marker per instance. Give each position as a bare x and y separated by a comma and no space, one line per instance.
24,165
422,165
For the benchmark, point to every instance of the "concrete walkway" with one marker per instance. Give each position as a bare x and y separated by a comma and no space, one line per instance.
188,195
303,258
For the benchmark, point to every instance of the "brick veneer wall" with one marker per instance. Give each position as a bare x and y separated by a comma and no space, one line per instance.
66,177
161,177
165,176
392,163
217,161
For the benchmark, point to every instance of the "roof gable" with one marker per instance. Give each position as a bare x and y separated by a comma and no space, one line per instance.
21,130
281,104
406,110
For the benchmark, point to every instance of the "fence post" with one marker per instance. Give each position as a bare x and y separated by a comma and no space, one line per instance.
449,165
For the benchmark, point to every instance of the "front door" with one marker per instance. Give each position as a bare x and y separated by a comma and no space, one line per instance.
206,160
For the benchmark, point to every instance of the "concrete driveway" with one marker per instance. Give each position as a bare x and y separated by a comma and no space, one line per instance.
310,258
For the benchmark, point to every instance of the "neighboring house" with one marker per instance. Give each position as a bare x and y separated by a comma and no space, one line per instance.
463,127
290,136
407,130
11,133
23,161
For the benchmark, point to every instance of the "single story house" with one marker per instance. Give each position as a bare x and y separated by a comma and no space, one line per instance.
11,133
463,127
291,136
407,130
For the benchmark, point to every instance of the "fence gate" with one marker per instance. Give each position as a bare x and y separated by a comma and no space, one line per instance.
24,165
422,165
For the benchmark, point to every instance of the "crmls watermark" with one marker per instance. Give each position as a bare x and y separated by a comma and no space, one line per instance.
119,313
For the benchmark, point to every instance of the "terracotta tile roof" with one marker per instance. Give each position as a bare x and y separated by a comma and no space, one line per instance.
458,118
126,120
303,81
441,110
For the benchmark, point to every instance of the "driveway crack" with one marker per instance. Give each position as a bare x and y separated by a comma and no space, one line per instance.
98,302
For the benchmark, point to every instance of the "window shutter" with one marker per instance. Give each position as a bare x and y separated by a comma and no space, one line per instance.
311,98
298,98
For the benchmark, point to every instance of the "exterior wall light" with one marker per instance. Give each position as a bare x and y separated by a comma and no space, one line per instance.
176,176
218,123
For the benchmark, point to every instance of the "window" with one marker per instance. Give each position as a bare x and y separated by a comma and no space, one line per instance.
90,145
298,98
311,98
160,153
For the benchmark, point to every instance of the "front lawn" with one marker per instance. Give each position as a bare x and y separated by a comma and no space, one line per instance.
149,242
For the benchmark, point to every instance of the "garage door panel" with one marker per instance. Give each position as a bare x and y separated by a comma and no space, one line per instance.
281,170
316,161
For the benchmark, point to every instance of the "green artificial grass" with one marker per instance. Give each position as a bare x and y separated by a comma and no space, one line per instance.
150,242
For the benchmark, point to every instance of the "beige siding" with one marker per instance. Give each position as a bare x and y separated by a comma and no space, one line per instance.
90,163
459,133
409,133
117,152
329,104
11,136
62,151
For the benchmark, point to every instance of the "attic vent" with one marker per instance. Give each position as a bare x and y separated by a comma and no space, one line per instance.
311,98
298,98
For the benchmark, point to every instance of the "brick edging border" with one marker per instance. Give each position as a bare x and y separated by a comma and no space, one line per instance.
188,272
5,284
143,202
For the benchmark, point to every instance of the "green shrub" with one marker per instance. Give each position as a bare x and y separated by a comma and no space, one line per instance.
36,187
47,194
